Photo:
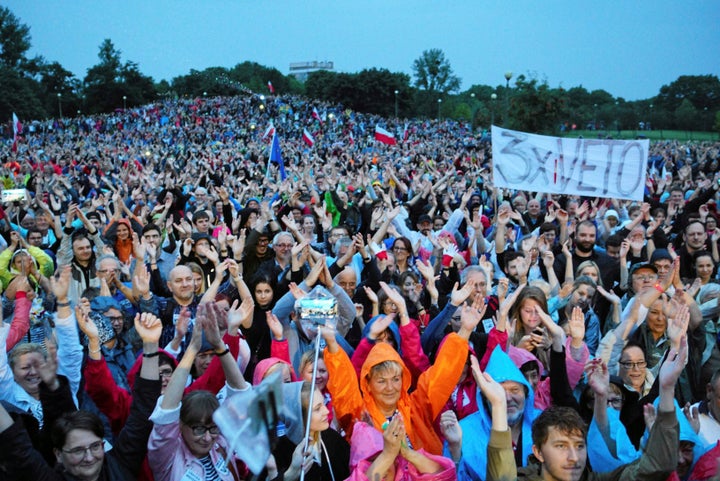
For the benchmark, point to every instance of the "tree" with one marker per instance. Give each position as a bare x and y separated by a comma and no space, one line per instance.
14,39
686,116
433,72
702,91
107,82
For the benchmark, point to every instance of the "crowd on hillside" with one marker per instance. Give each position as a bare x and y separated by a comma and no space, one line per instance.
153,264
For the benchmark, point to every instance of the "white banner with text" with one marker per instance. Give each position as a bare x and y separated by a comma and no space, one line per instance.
556,165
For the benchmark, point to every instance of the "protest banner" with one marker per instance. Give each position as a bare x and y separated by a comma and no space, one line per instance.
555,165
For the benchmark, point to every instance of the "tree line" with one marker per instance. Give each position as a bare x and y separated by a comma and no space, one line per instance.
35,88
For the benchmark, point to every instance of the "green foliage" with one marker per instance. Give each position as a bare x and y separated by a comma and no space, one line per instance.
19,95
14,39
107,82
703,91
371,90
433,72
535,106
686,114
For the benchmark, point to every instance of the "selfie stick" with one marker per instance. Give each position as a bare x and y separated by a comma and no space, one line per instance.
310,402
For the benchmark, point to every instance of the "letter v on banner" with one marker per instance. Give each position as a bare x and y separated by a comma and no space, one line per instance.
558,165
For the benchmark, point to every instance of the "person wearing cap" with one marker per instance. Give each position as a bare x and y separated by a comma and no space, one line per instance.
115,340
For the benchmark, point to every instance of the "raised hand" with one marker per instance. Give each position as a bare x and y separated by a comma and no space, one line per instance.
677,326
240,314
47,368
598,377
379,326
148,327
276,328
450,427
674,364
210,315
576,325
61,284
86,325
458,296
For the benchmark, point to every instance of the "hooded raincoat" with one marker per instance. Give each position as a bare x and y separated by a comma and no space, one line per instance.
354,402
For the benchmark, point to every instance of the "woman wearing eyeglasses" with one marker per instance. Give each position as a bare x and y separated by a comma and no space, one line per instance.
77,436
185,442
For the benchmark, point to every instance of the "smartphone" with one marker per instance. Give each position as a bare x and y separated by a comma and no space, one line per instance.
13,195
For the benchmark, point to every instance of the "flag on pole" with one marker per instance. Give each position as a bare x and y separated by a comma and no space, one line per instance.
17,130
270,131
308,138
384,136
406,133
316,115
276,156
270,87
352,139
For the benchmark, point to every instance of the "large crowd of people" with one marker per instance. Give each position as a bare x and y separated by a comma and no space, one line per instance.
152,261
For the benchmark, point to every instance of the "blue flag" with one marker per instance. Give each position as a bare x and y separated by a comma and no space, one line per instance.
276,156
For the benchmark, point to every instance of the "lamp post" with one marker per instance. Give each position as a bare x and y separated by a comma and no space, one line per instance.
651,118
439,105
396,103
472,111
60,104
508,76
493,98
595,124
124,103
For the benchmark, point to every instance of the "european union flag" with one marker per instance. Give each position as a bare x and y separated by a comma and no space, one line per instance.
276,156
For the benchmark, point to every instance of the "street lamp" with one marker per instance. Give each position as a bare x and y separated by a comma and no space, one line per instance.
396,103
493,98
124,103
439,105
472,113
60,104
595,124
508,76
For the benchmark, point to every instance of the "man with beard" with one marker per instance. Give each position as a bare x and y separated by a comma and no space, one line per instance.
694,239
183,303
520,415
585,237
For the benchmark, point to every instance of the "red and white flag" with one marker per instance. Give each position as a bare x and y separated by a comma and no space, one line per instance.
352,139
308,138
17,130
316,115
270,87
406,132
384,136
270,131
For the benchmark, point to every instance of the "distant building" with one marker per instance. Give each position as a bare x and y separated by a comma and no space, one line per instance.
300,70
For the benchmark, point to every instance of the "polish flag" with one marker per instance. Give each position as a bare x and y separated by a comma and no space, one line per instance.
406,133
384,136
270,131
270,87
352,139
17,130
316,115
308,138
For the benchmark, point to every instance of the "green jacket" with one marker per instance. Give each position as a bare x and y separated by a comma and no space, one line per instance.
43,262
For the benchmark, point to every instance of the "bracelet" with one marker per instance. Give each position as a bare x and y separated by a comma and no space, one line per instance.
659,288
62,304
94,352
152,354
226,351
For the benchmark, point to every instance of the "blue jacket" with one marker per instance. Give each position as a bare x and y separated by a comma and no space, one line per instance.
476,427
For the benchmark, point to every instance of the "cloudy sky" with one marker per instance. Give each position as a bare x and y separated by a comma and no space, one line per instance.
629,48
